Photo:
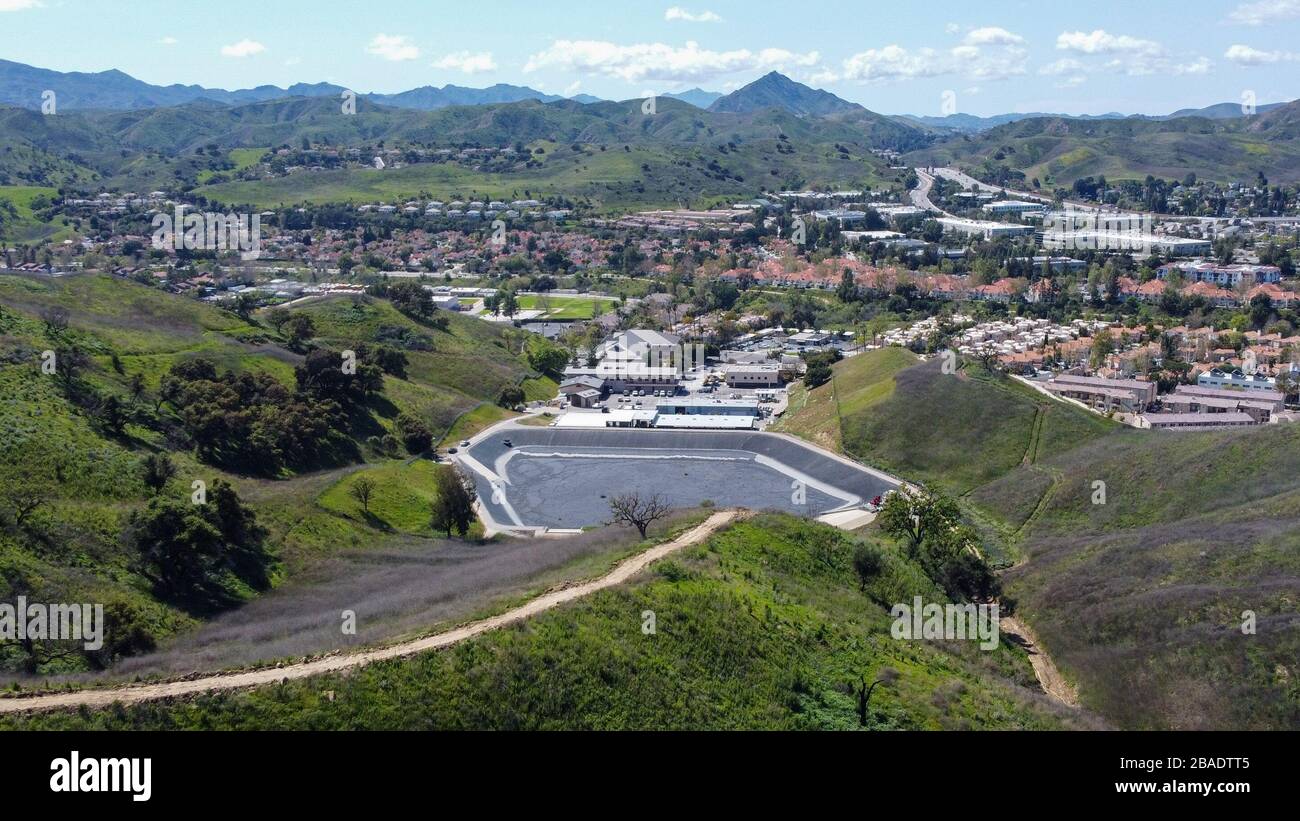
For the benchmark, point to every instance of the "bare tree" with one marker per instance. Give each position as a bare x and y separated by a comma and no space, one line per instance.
56,319
362,489
888,676
638,511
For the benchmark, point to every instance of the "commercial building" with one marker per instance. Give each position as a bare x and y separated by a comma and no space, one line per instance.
754,376
987,230
1014,207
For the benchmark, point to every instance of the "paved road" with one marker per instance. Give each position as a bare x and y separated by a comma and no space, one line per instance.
134,694
921,194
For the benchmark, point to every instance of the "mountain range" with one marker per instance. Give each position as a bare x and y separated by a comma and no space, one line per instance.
971,123
23,85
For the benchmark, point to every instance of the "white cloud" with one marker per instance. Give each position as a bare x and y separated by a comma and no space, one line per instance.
952,28
659,61
1265,11
244,48
292,61
988,53
1103,42
18,5
1066,65
893,62
1249,56
394,47
168,41
467,63
1131,56
991,35
572,88
679,13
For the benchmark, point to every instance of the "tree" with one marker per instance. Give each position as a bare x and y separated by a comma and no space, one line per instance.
416,435
112,414
509,303
888,675
818,374
453,508
914,514
868,561
157,470
23,496
1103,345
411,298
300,329
361,490
848,289
55,319
638,511
510,397
276,317
197,556
547,357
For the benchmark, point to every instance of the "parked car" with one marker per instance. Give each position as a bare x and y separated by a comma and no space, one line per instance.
465,444
508,443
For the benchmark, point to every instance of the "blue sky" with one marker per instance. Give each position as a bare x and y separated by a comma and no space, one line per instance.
1153,56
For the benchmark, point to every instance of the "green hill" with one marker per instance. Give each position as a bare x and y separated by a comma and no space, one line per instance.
763,627
1063,150
956,430
77,443
1139,600
678,153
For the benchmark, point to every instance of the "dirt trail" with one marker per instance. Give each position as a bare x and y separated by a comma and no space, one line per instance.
1053,683
332,664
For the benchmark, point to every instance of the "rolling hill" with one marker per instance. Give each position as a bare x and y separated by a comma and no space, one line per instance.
1063,150
81,442
763,627
681,153
1141,599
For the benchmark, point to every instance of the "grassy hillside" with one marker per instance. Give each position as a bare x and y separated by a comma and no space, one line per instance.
1065,150
955,430
59,442
763,627
857,384
1141,599
611,154
19,222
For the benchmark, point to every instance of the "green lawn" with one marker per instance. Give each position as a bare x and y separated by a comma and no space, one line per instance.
403,497
565,307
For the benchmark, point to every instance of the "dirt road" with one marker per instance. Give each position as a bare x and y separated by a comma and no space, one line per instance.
332,664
